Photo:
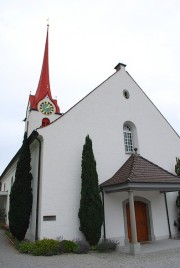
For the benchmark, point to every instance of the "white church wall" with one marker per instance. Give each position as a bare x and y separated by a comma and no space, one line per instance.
114,217
101,115
159,216
59,197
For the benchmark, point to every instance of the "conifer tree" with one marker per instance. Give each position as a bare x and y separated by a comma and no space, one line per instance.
91,209
177,167
21,194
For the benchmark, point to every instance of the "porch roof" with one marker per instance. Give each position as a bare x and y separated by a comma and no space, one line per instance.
138,173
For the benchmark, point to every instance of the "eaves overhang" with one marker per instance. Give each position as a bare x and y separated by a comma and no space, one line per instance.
142,186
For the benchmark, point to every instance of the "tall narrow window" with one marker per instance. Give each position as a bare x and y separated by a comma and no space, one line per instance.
128,140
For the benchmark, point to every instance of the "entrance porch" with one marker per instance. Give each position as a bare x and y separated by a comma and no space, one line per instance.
140,175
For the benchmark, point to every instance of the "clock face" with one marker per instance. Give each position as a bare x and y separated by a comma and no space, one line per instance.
46,107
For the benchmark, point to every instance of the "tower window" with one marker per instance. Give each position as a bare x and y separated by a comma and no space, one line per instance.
128,141
126,94
45,122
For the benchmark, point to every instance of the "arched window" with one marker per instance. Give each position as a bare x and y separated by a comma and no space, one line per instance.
128,139
45,122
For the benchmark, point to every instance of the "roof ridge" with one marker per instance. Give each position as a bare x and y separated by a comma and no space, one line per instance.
132,169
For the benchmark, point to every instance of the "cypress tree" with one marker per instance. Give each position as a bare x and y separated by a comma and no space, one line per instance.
21,194
177,167
91,209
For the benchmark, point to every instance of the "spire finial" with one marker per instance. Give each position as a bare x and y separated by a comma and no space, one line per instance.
47,22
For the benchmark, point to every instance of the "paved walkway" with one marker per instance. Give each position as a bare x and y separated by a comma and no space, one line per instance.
156,246
161,254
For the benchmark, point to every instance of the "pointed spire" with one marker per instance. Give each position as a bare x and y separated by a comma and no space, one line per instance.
43,88
44,83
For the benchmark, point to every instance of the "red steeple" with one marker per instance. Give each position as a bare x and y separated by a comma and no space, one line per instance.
44,84
43,88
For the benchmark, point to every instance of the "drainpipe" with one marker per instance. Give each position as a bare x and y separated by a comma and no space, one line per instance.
38,189
104,224
167,212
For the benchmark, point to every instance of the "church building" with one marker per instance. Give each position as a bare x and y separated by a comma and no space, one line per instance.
135,150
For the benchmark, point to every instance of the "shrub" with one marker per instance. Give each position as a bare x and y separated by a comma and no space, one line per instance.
66,246
106,245
45,247
26,247
81,247
4,226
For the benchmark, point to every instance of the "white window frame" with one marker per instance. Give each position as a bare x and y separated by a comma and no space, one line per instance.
128,139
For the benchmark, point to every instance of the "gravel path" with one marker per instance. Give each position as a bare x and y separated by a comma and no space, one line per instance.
11,258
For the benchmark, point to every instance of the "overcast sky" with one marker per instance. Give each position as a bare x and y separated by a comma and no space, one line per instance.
87,38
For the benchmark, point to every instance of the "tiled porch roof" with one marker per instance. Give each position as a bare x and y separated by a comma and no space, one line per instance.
137,169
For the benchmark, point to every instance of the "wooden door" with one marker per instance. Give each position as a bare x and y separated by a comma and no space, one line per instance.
141,221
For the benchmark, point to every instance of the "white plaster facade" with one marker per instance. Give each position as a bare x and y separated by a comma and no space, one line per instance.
101,115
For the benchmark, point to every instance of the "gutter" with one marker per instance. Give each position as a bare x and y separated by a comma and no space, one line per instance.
104,223
38,190
167,212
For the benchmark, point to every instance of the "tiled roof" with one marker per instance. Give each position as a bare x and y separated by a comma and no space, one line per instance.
138,169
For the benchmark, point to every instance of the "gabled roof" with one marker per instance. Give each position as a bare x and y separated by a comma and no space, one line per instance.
43,88
137,170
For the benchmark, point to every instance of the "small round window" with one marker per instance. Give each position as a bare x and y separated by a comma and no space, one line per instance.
126,94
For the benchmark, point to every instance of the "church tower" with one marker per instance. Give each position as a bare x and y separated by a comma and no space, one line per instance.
42,109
